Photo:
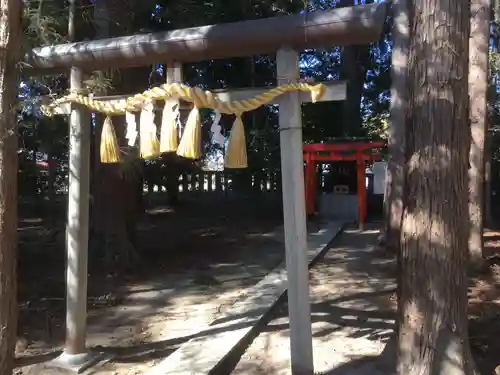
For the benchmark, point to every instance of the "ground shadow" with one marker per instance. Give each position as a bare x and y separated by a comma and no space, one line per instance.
484,306
189,255
368,365
352,310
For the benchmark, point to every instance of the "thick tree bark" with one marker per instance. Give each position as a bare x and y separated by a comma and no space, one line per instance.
10,48
432,303
478,89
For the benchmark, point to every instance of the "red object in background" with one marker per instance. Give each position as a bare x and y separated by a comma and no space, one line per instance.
319,152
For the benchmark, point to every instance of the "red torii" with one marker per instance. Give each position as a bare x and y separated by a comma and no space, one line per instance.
319,152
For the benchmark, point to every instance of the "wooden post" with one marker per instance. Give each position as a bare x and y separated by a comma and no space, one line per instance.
75,356
294,213
173,73
308,182
77,224
361,186
311,184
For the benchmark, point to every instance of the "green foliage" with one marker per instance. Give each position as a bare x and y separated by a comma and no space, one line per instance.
377,126
44,23
494,61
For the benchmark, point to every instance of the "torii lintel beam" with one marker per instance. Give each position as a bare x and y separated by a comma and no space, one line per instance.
360,24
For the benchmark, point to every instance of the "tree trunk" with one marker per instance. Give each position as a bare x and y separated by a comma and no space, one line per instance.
172,173
478,89
354,60
432,301
394,188
50,212
10,48
393,197
353,71
114,185
487,214
38,196
98,209
492,97
121,222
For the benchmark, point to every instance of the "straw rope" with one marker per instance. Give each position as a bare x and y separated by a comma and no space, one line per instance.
200,98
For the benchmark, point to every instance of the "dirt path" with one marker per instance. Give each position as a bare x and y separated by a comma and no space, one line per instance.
352,313
151,318
353,304
352,308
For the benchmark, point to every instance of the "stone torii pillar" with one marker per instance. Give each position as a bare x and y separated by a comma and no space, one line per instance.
75,356
294,216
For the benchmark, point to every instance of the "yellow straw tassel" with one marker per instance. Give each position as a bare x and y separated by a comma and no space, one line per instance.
168,131
190,145
109,149
236,155
317,91
149,145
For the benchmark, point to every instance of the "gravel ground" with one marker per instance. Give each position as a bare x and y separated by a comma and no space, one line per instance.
352,314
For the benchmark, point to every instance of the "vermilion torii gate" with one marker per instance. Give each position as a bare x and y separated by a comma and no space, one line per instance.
362,152
285,36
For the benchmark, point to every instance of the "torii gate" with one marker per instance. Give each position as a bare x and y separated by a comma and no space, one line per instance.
283,35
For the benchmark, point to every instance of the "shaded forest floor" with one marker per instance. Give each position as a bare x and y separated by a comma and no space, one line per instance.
196,262
484,304
209,257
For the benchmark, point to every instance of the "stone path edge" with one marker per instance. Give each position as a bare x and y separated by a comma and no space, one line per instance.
234,330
